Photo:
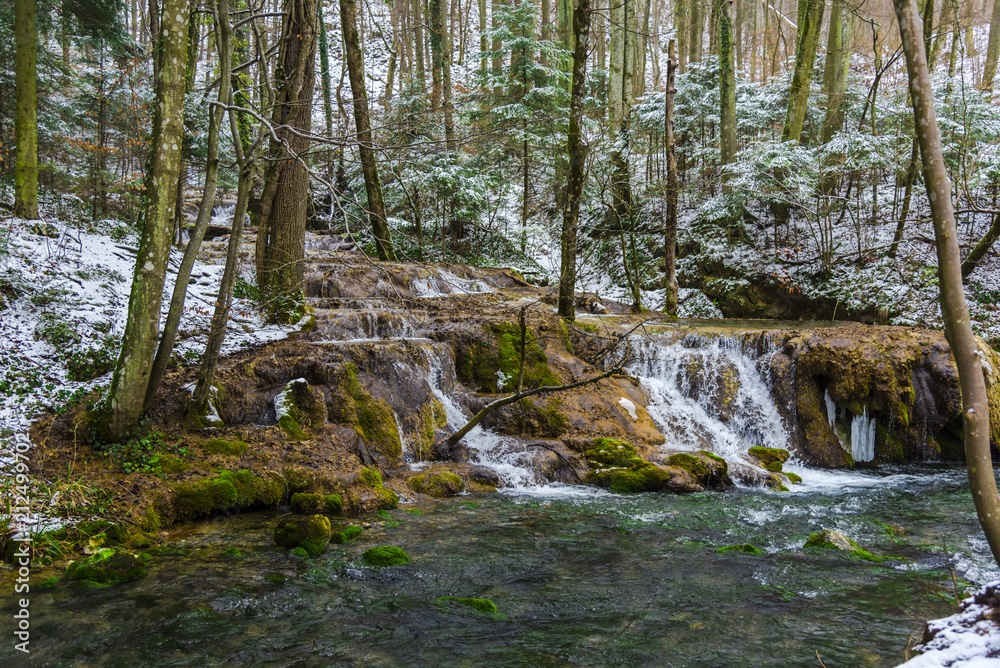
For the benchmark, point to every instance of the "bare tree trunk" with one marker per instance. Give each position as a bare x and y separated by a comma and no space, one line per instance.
577,152
447,51
418,42
696,26
224,36
670,226
26,120
835,73
975,256
992,49
810,19
284,200
122,406
436,9
681,29
727,90
955,311
373,187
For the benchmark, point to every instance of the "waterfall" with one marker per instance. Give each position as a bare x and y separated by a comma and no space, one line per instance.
709,394
863,437
504,454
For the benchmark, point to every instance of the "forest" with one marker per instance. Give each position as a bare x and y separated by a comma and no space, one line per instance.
355,258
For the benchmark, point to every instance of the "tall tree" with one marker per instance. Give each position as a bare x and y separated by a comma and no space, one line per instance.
26,120
681,30
577,152
284,200
122,405
838,55
373,187
224,40
438,38
810,19
696,27
418,41
954,309
992,48
727,87
670,224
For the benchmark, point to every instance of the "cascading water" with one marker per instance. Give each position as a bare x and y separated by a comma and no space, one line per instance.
505,455
708,394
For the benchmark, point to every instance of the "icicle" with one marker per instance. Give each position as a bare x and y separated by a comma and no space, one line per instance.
831,407
863,437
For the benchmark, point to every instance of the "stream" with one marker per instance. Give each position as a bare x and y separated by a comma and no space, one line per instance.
578,577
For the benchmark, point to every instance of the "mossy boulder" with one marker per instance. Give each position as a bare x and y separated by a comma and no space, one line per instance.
253,490
828,539
346,535
609,452
710,470
478,360
310,533
107,567
438,484
617,467
202,498
482,606
370,481
385,555
220,446
307,504
771,459
371,417
299,406
742,548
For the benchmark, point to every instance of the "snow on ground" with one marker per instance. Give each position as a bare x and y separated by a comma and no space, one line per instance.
967,639
66,292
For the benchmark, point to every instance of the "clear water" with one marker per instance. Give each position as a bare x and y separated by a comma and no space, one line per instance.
582,580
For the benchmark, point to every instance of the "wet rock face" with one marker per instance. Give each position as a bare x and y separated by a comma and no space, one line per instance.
902,381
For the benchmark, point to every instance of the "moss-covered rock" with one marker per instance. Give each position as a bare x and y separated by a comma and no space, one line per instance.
307,504
616,466
385,555
771,459
372,479
438,484
477,361
483,606
710,470
299,406
202,498
109,566
828,539
220,446
310,533
608,452
254,491
371,417
743,548
346,535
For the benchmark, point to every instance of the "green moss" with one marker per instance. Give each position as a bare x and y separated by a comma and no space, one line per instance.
346,535
744,548
300,552
254,491
832,540
608,452
770,458
438,484
371,417
310,533
49,583
793,477
708,469
641,477
232,553
219,446
169,464
483,606
385,555
477,362
107,567
202,498
292,428
370,478
313,503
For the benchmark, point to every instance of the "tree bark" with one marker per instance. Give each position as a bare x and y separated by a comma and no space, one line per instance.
681,30
324,78
122,406
835,74
224,37
436,9
993,48
670,224
696,26
975,256
418,42
727,90
577,152
447,51
26,121
369,167
955,311
810,19
284,200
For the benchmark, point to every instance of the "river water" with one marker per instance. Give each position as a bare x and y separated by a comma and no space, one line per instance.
578,578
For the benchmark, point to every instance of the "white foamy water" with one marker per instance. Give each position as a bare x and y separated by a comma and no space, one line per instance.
706,394
446,283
